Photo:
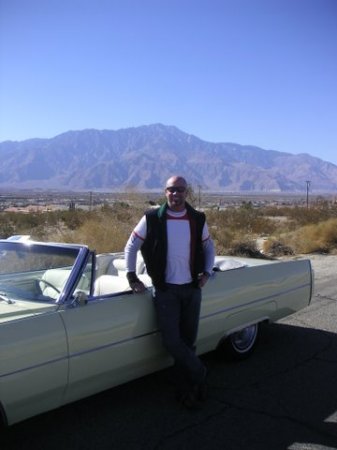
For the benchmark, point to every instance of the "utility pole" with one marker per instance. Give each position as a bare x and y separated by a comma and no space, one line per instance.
90,201
308,186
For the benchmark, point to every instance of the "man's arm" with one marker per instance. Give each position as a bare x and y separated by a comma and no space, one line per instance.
209,254
131,249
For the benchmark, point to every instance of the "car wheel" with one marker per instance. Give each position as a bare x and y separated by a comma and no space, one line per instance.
241,344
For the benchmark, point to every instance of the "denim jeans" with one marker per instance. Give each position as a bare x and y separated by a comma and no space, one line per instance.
178,311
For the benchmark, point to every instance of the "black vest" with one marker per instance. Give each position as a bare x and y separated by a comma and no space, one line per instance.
154,248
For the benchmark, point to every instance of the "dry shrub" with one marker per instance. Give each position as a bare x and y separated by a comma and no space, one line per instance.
245,220
100,234
105,230
306,216
321,237
233,230
247,249
222,238
277,248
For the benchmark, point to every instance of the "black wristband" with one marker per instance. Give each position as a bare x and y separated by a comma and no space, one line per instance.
132,277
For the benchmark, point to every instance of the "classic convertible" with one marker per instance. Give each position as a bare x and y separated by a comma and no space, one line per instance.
71,327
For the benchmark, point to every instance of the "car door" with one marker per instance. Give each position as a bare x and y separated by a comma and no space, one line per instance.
33,363
111,339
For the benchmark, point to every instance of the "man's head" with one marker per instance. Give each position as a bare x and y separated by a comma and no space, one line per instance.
176,192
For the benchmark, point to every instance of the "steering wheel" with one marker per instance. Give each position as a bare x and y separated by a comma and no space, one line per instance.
48,283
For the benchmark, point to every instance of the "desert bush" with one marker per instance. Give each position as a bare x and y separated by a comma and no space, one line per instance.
321,237
23,223
105,230
19,223
235,230
277,248
73,218
99,234
299,215
7,228
246,249
241,222
306,216
222,237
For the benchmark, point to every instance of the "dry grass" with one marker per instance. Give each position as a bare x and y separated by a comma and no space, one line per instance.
320,237
288,230
103,236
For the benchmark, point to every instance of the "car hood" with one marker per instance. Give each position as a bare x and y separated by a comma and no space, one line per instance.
21,309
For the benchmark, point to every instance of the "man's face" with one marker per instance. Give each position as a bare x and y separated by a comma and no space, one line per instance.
176,192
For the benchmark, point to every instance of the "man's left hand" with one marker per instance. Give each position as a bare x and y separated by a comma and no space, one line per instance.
203,278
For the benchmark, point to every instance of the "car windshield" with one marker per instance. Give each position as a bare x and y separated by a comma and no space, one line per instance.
31,271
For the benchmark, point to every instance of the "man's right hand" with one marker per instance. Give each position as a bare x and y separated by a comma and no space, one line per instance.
137,287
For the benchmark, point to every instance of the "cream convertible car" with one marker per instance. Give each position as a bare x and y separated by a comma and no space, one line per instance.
71,327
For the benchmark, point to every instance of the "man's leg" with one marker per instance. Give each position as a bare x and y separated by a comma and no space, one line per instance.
189,331
169,305
190,315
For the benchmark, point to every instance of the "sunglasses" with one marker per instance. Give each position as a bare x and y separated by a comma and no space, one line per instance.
179,189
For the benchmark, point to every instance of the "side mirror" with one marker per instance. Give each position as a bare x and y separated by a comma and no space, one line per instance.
80,299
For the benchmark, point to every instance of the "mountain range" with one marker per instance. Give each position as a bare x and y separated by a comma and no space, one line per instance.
142,158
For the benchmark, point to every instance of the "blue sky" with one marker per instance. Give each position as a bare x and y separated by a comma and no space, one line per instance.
258,72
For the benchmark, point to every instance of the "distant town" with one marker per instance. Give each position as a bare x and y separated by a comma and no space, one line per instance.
36,201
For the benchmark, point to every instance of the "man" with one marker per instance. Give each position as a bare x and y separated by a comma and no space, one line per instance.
179,256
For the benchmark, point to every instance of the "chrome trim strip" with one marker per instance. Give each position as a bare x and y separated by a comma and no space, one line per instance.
35,366
113,344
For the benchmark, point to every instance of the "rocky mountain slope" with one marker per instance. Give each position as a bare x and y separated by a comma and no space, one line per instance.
143,158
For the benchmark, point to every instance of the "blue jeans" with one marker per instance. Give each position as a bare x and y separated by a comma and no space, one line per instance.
178,312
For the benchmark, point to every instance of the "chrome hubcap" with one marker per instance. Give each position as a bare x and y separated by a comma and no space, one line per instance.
244,339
